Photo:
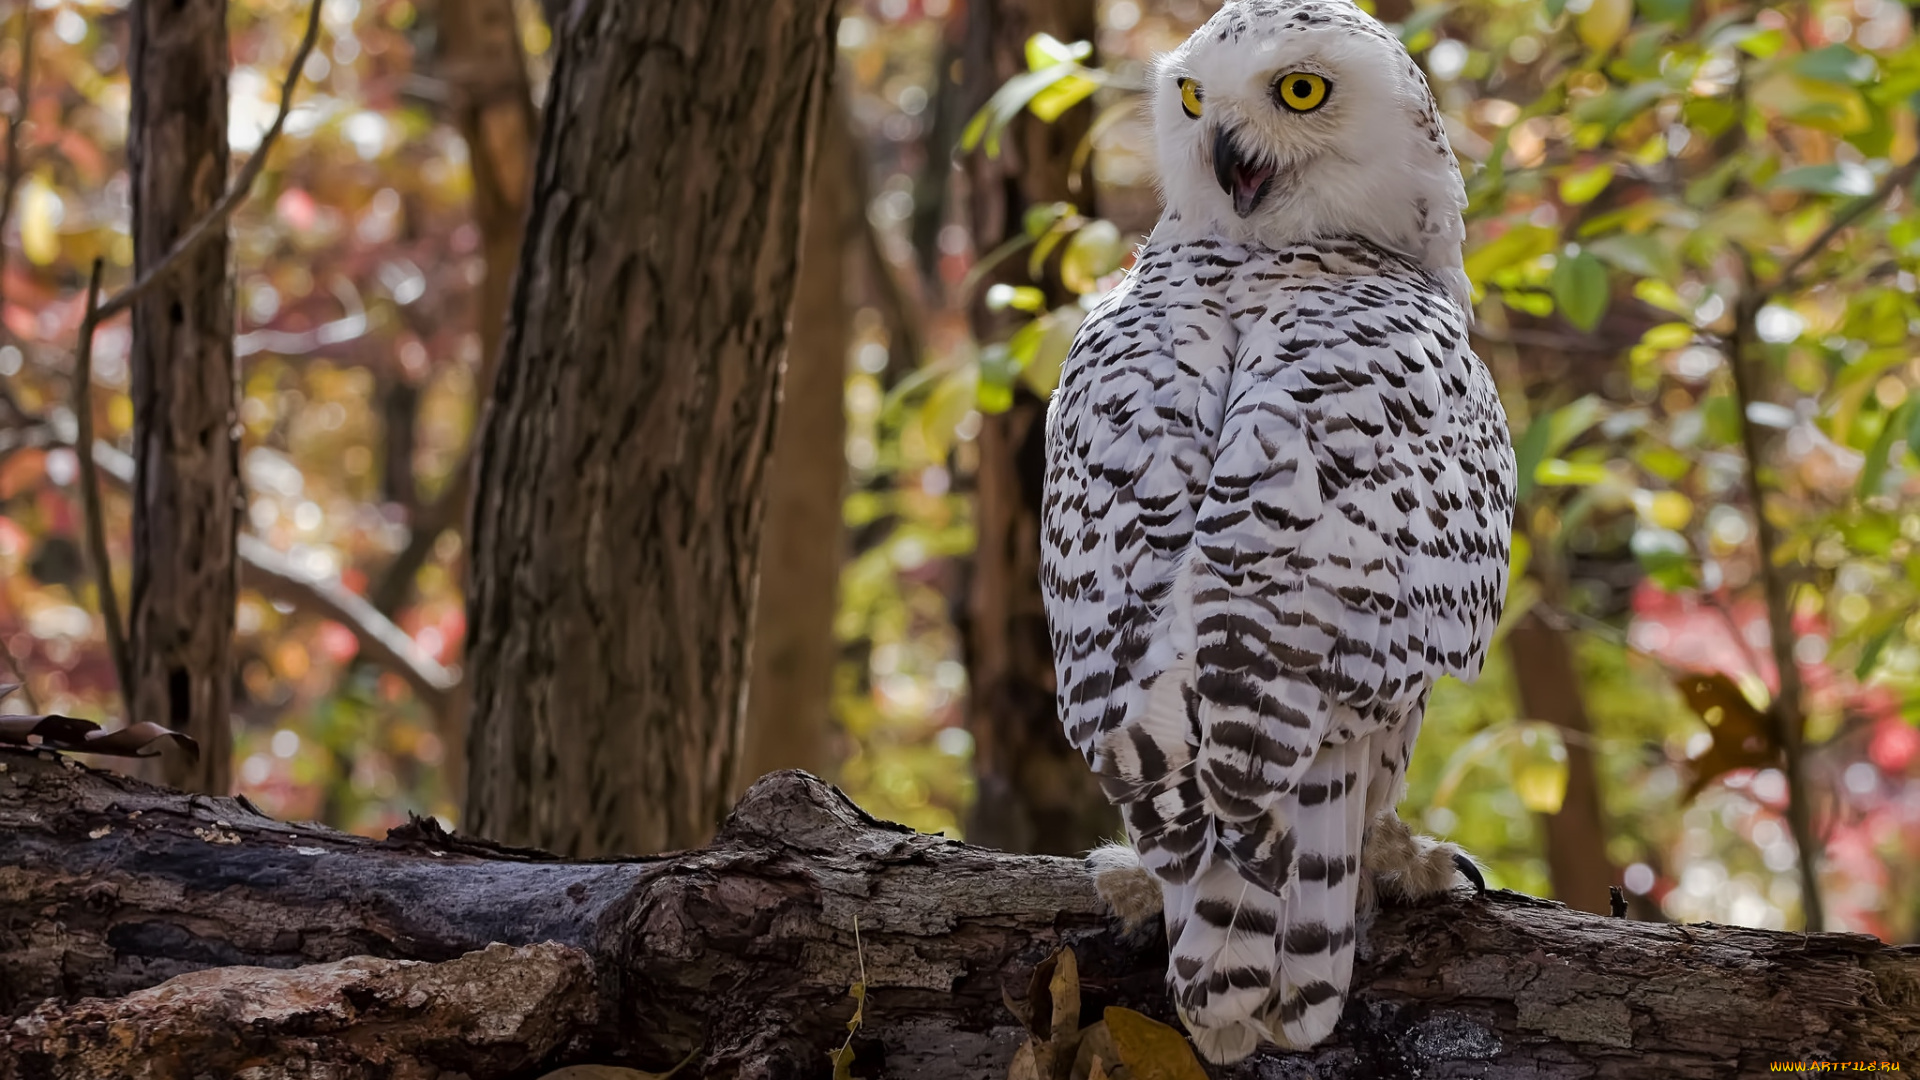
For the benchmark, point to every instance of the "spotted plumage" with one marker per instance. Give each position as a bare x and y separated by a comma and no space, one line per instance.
1279,495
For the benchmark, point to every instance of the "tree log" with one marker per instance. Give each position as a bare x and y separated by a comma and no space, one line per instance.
741,953
490,1013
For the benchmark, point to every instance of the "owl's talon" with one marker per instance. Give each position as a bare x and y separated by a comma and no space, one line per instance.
1471,871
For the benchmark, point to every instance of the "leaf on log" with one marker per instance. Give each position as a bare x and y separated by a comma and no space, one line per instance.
55,732
1150,1049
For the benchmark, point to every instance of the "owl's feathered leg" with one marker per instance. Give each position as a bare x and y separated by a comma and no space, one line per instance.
1130,892
1403,866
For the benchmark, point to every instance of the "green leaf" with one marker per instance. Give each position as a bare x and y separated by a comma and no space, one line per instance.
1836,64
1665,556
1041,217
1586,185
1836,178
1095,251
1640,255
1422,20
1045,51
1721,419
1519,244
1870,655
1874,469
984,130
1041,372
947,404
1664,462
1672,335
998,369
1676,12
1020,298
1580,288
1760,44
1528,452
1537,304
1050,103
1559,472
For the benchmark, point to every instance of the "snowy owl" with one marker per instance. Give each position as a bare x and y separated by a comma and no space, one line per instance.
1279,493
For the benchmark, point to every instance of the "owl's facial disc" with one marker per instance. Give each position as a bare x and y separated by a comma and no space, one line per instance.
1245,180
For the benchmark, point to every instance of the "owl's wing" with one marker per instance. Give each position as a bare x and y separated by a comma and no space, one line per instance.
1350,546
1129,443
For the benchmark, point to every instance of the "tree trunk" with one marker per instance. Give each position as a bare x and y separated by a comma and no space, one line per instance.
741,955
617,519
790,699
1035,792
187,497
1577,861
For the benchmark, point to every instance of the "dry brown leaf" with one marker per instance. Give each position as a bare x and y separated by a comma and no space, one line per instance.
54,732
1742,734
1097,1055
1040,998
1064,991
1026,1063
1150,1049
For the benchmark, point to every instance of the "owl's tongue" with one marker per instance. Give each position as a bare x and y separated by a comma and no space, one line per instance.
1244,180
1249,186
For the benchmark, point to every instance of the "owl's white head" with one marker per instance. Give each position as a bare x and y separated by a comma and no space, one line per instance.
1284,120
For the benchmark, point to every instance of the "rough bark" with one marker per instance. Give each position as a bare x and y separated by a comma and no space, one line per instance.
617,520
187,495
741,954
1035,793
790,698
1576,848
496,1012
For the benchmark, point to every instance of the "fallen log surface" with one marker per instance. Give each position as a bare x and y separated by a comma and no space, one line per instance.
741,954
498,1012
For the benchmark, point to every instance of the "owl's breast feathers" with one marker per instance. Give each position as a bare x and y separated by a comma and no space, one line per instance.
1279,493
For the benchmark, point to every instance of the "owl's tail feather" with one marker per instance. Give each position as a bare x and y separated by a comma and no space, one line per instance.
1222,961
1329,816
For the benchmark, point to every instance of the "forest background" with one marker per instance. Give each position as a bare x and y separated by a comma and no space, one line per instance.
1657,188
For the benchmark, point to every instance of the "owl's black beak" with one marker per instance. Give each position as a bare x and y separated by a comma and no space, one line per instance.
1245,181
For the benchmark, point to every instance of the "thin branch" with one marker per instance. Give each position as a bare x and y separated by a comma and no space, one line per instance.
272,574
1785,714
96,525
1788,279
216,218
23,95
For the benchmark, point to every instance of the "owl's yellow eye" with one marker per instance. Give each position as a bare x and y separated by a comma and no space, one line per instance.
1301,91
1190,97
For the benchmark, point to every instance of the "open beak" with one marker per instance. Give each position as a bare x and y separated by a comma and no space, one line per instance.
1246,182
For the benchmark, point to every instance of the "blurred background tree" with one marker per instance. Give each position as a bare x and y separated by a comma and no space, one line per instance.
1694,239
